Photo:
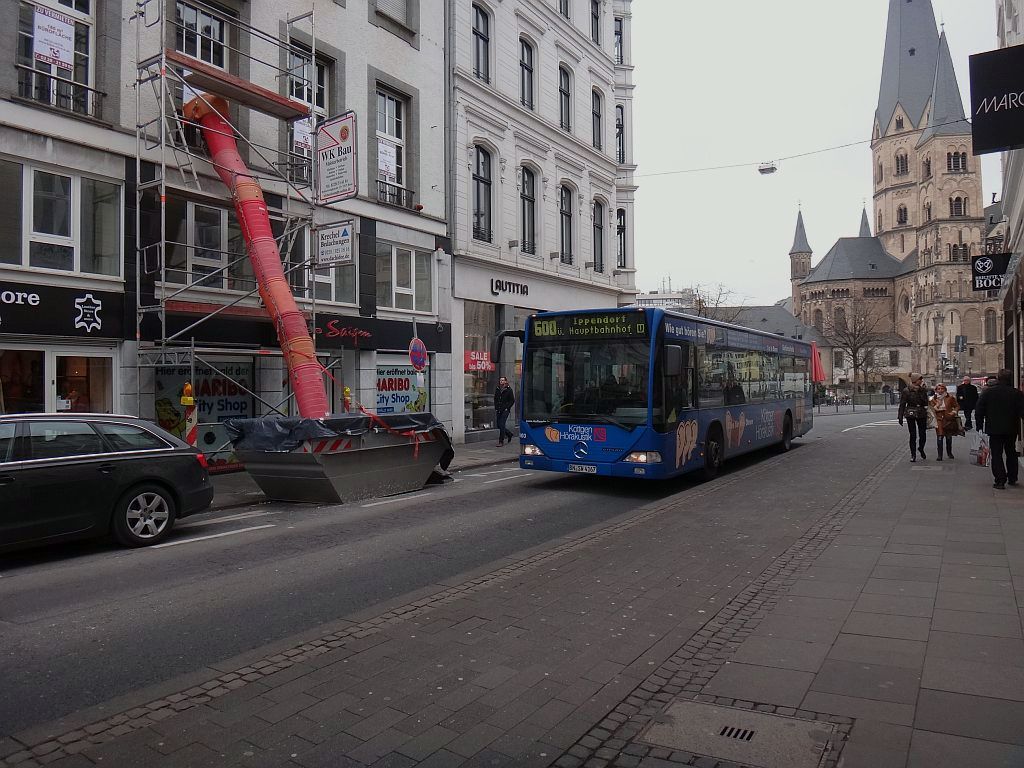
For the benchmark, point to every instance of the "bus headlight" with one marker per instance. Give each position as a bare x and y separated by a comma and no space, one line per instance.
643,457
531,450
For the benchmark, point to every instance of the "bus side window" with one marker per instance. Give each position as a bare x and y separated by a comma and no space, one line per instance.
711,378
672,393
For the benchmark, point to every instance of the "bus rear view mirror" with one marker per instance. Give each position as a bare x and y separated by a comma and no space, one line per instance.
499,342
673,360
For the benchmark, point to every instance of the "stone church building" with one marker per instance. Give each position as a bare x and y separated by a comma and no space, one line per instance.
912,276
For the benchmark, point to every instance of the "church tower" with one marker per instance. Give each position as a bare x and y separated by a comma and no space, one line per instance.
799,261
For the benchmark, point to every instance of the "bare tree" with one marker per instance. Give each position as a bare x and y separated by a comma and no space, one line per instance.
860,331
716,301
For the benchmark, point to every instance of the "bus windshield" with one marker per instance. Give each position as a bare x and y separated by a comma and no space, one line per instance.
587,381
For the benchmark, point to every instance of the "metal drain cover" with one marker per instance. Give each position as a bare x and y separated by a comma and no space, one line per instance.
740,735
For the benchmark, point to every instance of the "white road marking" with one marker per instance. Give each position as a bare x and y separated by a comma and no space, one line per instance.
212,536
509,477
888,423
226,519
395,500
498,472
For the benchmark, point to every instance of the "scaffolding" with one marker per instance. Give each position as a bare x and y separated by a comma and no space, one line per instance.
169,156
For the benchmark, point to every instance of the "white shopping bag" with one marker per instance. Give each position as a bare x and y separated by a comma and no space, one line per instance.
980,452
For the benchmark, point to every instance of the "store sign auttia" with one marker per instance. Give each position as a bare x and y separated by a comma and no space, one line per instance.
401,389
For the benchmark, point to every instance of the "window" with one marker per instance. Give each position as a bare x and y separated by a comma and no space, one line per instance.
902,164
482,195
839,319
927,211
595,21
396,9
990,326
481,44
59,221
901,216
391,149
565,219
67,84
878,174
200,33
125,437
819,319
894,358
926,168
620,236
564,99
311,89
956,162
57,439
879,227
405,278
958,206
618,41
525,74
528,215
597,122
598,237
899,120
837,358
620,134
6,442
563,8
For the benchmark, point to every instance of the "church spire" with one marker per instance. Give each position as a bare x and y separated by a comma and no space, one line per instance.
865,226
800,244
908,64
946,116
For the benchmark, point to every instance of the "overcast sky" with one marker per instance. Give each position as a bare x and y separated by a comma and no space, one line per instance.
750,81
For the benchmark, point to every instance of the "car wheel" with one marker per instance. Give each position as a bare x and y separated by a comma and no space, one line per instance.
144,516
714,455
787,434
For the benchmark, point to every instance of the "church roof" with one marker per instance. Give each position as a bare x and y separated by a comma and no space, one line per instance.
855,258
946,117
865,226
908,64
909,264
800,244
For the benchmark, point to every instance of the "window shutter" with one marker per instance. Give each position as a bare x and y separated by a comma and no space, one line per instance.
396,9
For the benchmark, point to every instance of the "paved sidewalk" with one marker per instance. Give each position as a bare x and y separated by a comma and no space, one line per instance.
884,611
237,489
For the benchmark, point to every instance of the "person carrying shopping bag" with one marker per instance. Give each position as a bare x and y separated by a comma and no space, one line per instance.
914,408
998,415
947,422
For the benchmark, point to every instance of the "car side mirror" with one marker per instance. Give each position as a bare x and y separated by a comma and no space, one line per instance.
673,360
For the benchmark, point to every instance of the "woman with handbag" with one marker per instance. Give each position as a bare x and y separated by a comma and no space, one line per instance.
947,421
914,407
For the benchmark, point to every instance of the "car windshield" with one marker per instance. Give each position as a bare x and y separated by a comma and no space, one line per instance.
588,381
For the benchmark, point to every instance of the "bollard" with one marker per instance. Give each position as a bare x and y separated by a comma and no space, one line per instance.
191,417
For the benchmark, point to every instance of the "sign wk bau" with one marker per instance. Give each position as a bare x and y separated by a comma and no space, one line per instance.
336,159
335,244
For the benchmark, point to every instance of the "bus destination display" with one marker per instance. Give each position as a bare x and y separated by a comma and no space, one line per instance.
593,325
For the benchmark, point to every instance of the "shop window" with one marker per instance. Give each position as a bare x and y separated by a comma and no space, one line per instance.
84,384
405,278
22,387
62,77
59,221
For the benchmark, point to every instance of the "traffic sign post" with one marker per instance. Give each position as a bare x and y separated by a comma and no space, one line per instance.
418,355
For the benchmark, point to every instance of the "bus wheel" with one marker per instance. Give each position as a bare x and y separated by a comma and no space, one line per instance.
713,453
787,434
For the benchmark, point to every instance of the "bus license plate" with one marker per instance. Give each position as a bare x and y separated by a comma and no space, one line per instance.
587,469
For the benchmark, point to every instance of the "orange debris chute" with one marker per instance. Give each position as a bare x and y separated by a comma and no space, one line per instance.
304,370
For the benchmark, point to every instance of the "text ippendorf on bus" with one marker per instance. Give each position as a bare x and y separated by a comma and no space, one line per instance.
653,393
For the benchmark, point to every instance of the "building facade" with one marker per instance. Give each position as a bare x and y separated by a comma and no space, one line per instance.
541,176
95,323
910,280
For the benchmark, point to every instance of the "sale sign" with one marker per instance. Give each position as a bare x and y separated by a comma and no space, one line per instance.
53,38
478,361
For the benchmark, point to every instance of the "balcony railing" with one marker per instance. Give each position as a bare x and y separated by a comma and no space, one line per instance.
59,92
392,194
529,246
566,258
481,233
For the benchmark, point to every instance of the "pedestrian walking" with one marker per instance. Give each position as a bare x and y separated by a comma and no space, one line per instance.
967,398
998,413
914,408
504,399
947,423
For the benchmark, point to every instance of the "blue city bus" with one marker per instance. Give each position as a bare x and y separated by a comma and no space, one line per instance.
651,393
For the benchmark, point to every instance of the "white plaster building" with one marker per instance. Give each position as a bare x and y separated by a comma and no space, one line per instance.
541,191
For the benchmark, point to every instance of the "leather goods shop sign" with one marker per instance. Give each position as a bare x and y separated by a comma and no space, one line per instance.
49,310
997,100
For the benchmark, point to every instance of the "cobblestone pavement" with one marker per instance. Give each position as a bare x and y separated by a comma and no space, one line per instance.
880,598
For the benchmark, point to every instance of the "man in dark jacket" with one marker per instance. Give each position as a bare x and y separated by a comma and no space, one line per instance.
999,411
504,399
967,397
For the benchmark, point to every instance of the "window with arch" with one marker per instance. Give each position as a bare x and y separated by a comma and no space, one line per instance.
902,164
596,105
620,236
956,162
482,195
598,236
819,319
565,223
899,123
928,211
957,206
901,215
525,73
878,173
839,319
481,44
990,326
926,168
595,21
564,99
528,212
879,227
620,134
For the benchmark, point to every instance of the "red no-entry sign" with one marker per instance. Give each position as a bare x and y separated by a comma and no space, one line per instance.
418,353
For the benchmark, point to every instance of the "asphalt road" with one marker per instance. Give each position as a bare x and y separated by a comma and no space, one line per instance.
84,623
